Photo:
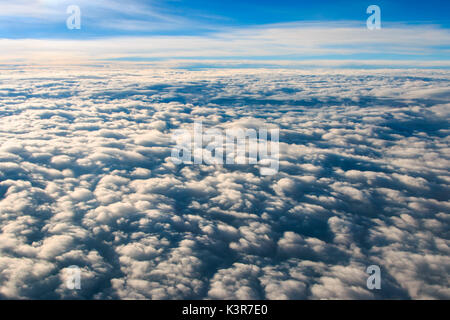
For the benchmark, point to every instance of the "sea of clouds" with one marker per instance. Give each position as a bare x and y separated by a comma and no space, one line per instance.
86,179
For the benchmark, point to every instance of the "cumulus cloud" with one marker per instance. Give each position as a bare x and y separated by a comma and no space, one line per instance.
86,179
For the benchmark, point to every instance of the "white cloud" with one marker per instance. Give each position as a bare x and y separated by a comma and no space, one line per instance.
87,180
292,44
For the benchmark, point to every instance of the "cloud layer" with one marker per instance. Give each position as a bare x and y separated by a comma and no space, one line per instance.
86,179
284,44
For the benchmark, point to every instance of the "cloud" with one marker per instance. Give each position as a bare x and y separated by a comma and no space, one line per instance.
86,179
299,44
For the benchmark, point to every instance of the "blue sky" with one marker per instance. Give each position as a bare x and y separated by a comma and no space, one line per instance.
46,18
411,30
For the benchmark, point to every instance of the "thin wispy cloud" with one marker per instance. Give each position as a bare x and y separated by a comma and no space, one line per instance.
295,42
35,32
